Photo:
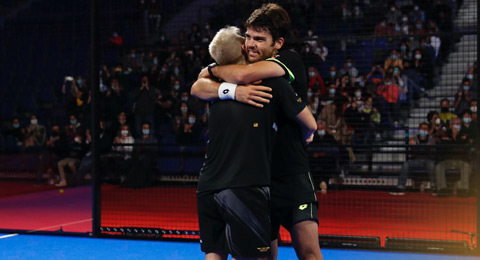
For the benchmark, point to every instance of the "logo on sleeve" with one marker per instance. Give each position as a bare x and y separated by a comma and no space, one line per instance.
225,91
303,207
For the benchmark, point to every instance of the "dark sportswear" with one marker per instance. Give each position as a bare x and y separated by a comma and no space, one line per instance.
241,137
289,157
242,228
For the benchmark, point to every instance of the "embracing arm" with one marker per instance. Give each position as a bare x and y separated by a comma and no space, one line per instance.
307,123
207,89
245,74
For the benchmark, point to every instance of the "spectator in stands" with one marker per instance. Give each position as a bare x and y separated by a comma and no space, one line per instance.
374,115
121,159
332,115
315,81
321,51
382,28
419,156
57,147
463,97
331,96
144,99
14,136
435,126
375,76
113,101
418,29
393,60
473,109
313,101
454,156
417,14
404,53
393,15
105,142
349,69
74,126
445,114
469,128
76,150
116,40
189,131
388,94
34,134
145,152
404,25
332,76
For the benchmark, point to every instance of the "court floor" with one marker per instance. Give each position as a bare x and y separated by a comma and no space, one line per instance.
13,246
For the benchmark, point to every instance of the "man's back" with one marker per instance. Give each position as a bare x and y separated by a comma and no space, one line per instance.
241,138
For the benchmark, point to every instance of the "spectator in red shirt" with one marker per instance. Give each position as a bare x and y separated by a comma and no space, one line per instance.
388,94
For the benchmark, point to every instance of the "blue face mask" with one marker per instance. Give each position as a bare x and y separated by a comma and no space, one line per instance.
466,88
191,120
403,48
333,73
321,132
146,131
73,122
393,57
332,91
79,81
103,88
16,125
469,76
423,133
467,120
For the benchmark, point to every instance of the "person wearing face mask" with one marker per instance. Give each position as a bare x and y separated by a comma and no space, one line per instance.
435,126
420,155
144,99
316,81
393,60
382,28
119,162
393,15
34,134
469,128
445,114
143,159
13,136
474,109
389,94
76,150
189,132
349,68
332,75
463,96
454,154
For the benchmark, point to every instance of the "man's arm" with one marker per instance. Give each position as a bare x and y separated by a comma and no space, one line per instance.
307,123
245,74
207,89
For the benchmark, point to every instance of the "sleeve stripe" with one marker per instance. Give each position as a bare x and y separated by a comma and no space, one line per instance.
291,77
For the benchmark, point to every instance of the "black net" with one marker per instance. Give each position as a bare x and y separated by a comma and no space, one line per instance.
392,85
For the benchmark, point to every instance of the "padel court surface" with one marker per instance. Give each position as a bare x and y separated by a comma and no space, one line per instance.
371,214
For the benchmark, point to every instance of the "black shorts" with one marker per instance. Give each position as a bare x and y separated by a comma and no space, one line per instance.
235,221
289,216
293,200
292,190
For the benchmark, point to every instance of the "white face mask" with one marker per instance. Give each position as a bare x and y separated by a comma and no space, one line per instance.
438,121
311,74
78,140
124,132
418,56
473,109
321,132
34,121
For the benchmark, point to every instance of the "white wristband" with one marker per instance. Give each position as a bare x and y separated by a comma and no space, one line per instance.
227,91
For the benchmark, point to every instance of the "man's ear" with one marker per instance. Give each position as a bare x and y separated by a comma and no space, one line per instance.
279,43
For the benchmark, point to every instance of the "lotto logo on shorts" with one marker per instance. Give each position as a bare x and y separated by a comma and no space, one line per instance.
303,207
263,249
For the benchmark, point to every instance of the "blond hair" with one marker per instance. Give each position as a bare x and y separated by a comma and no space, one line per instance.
226,46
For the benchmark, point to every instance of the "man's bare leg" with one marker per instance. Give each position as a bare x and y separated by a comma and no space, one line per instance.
274,250
216,256
305,240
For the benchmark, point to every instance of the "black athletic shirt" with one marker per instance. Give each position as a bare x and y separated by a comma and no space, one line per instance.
241,138
289,155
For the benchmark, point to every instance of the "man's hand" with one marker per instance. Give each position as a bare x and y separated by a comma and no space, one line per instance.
204,73
253,95
309,140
